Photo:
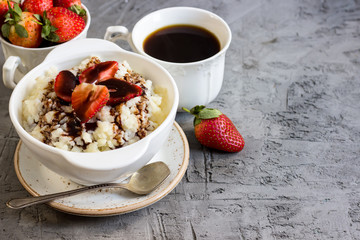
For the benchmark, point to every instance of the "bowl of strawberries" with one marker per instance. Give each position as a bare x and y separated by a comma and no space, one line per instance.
30,30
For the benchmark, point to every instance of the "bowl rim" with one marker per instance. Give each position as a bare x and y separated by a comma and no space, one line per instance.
14,112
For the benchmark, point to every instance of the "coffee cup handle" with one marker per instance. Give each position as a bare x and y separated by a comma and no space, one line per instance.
9,68
114,33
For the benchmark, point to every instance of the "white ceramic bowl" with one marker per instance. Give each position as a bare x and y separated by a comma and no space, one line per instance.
107,166
20,60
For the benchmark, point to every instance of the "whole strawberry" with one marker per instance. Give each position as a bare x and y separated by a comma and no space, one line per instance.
22,28
37,6
72,5
61,25
214,129
4,7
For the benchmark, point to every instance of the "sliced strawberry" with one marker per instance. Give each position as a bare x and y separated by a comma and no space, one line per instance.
87,99
65,82
99,72
120,90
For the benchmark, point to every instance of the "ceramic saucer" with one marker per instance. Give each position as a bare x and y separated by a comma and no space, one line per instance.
39,180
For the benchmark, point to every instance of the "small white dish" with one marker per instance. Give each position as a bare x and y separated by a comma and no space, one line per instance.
39,180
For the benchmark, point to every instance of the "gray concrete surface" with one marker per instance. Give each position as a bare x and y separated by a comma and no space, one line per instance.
291,87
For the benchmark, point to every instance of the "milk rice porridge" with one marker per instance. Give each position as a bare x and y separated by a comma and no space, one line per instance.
59,123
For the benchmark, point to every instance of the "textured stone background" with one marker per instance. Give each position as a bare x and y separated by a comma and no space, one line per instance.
291,87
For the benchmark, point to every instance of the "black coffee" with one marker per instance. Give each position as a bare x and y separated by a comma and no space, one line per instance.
181,44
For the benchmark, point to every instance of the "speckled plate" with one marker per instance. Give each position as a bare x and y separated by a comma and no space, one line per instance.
39,180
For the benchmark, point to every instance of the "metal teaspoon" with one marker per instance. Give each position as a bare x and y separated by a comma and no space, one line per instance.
142,182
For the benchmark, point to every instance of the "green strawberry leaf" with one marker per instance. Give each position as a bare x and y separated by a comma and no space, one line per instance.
195,110
78,10
201,112
17,13
16,1
52,28
5,30
21,31
8,17
38,19
13,15
209,113
45,31
37,16
17,9
48,30
52,37
45,19
197,121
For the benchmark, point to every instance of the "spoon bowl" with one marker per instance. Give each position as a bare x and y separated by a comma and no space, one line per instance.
142,182
147,178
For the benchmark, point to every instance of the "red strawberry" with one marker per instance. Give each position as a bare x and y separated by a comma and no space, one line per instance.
72,5
22,28
99,72
66,3
61,25
87,99
64,85
37,6
214,129
121,90
4,8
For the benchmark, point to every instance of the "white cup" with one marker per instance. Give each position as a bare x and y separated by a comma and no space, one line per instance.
198,82
20,60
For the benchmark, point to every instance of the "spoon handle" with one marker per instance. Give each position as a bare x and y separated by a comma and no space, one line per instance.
25,202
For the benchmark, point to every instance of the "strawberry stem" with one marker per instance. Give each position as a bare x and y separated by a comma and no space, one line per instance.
186,110
78,10
195,113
